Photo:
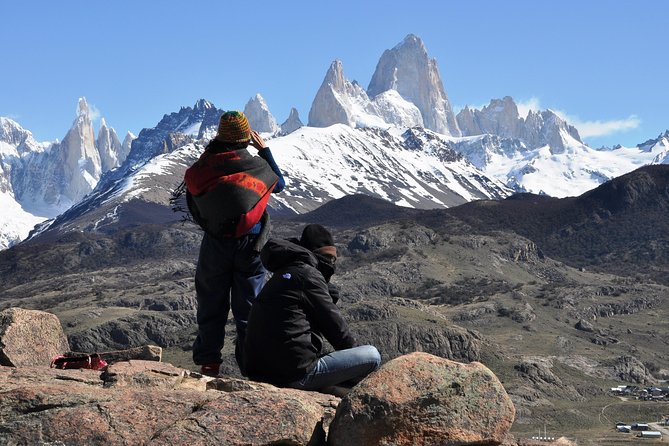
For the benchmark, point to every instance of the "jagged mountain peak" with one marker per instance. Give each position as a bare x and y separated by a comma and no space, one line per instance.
83,108
412,43
653,141
203,104
501,117
292,123
408,69
335,76
259,116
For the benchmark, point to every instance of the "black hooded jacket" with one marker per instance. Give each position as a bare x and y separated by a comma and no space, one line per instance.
290,316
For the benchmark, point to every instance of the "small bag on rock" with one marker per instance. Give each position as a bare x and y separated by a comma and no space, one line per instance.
92,362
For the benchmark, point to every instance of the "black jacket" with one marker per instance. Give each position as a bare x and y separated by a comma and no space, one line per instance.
290,316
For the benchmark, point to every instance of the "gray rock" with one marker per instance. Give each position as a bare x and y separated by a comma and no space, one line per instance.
584,325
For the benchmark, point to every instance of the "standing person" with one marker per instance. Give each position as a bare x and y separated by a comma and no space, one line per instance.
292,314
227,192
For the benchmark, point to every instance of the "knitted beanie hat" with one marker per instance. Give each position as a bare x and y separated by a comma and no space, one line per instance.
233,127
317,238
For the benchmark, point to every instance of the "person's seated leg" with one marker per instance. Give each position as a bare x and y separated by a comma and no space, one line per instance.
348,365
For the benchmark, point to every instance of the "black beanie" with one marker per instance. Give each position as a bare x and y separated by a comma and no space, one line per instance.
316,236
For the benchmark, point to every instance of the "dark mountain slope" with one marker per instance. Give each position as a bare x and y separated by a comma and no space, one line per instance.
357,211
621,226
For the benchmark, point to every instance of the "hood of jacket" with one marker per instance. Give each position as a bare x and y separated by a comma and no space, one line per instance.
278,253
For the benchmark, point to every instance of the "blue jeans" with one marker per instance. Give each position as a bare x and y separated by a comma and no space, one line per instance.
229,274
348,366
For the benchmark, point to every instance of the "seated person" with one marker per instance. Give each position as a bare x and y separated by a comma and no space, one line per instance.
292,314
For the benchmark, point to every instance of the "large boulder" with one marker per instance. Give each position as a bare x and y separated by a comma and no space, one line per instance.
420,399
30,337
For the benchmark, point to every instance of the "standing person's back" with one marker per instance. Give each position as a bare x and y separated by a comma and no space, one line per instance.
228,191
294,312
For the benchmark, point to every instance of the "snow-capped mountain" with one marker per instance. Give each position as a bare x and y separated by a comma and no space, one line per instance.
398,140
340,101
40,180
259,116
542,153
501,118
658,148
416,168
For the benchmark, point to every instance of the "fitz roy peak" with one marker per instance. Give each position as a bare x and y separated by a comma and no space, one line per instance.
405,91
408,70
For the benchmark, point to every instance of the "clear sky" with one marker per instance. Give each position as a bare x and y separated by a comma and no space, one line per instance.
603,64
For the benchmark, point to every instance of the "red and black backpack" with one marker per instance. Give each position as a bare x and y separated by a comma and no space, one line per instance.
227,192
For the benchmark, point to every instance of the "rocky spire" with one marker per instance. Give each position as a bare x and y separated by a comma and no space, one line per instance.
292,123
62,175
125,147
407,69
259,116
109,147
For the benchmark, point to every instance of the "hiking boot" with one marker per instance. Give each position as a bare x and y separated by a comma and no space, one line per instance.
210,369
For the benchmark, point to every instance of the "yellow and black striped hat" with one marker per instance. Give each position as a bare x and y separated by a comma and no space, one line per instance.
233,127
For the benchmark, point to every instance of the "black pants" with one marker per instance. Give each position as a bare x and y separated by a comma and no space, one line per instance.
229,274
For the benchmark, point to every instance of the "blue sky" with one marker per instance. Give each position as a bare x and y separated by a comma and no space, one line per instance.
603,64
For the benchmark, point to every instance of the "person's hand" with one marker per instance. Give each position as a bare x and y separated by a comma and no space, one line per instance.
257,141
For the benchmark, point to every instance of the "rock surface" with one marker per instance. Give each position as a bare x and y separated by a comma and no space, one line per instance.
421,399
144,402
30,337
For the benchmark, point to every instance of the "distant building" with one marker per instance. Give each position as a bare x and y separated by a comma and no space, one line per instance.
650,434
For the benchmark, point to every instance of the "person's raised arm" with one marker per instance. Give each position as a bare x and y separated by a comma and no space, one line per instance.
265,153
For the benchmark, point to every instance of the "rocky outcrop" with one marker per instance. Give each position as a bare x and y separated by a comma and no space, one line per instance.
420,399
259,116
408,70
384,237
417,399
400,326
584,325
155,404
543,380
630,369
30,337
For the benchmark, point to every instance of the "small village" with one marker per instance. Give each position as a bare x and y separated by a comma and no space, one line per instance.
641,393
643,430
